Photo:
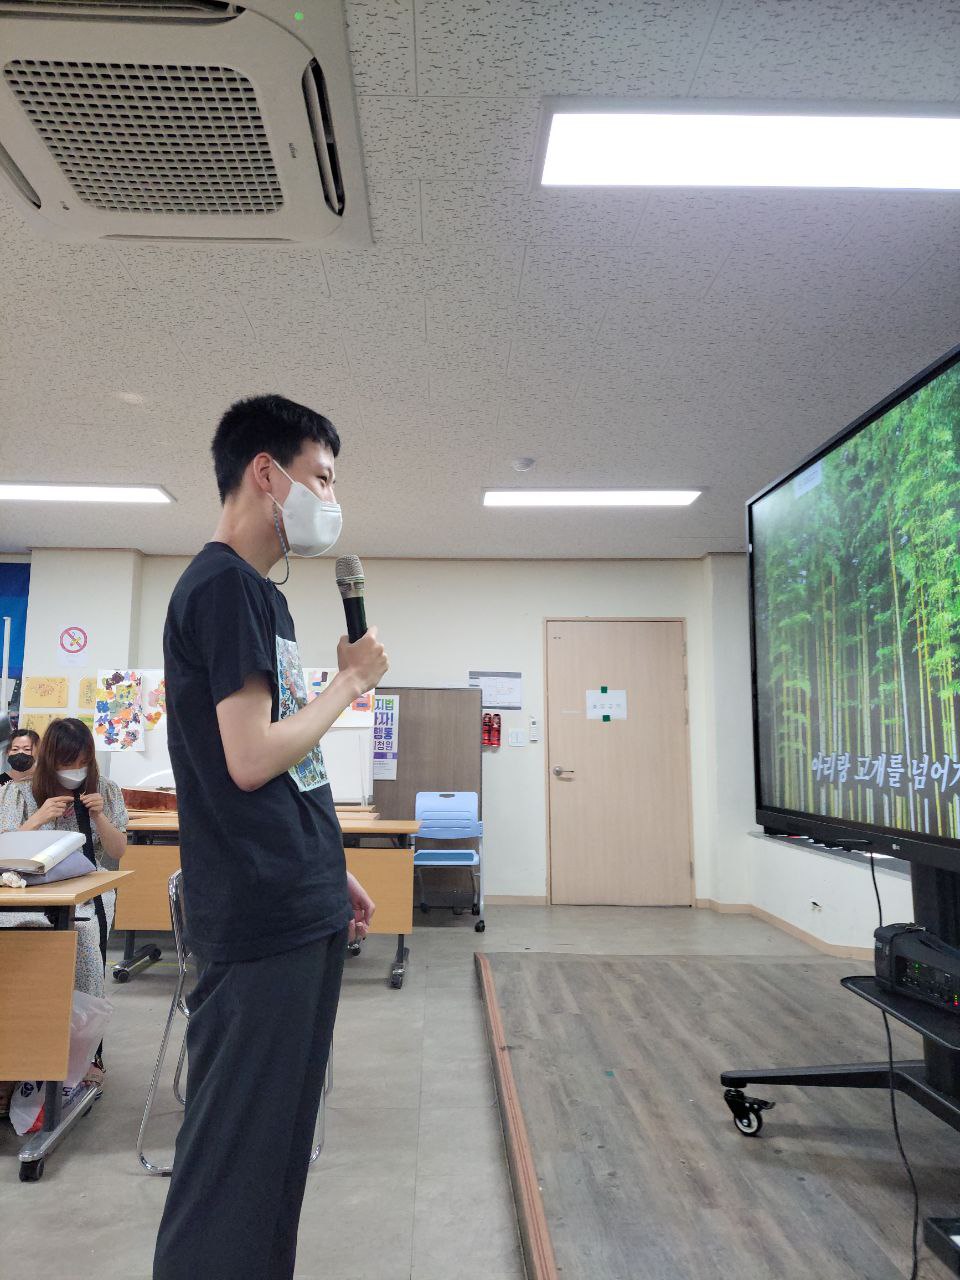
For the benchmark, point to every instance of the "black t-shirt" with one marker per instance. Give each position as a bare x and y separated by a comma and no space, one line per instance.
263,871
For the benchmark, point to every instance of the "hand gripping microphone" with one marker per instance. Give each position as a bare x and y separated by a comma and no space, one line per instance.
350,582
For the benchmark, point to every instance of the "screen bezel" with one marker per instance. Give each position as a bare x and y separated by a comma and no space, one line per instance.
934,851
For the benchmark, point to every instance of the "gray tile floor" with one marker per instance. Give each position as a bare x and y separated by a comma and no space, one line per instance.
412,1184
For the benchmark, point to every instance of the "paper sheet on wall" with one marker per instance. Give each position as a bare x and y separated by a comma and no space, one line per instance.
386,733
359,714
154,690
73,645
118,719
87,697
35,720
500,690
606,704
45,691
149,766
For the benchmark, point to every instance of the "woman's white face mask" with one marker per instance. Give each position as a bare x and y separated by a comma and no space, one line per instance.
312,526
71,777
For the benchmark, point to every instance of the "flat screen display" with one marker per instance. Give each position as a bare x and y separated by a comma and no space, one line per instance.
855,577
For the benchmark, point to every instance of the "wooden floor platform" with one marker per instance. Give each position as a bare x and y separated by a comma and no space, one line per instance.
625,1160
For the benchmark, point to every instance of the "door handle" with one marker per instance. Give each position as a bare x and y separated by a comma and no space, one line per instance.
558,772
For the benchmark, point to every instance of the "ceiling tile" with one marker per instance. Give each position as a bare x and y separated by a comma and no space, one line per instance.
867,50
380,36
500,48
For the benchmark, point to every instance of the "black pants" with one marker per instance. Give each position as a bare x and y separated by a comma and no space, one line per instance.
257,1044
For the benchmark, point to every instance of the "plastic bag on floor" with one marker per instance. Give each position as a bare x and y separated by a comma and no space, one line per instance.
89,1016
26,1105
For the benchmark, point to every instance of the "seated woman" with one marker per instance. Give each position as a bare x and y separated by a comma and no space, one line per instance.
67,793
22,756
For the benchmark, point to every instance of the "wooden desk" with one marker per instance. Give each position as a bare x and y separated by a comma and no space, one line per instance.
386,874
35,1031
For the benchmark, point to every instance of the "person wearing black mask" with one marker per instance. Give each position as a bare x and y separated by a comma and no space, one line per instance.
67,793
22,757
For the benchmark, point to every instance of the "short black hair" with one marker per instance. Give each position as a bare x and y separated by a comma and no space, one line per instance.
265,424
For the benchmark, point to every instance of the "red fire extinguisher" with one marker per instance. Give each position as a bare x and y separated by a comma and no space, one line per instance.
487,724
495,731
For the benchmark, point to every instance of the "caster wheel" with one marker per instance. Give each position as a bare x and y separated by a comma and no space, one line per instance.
475,909
31,1171
750,1123
458,911
480,927
747,1112
156,954
396,981
121,975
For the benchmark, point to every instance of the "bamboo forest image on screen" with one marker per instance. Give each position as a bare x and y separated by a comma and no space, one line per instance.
856,580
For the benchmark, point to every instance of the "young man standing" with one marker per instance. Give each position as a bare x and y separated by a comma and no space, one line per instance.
268,900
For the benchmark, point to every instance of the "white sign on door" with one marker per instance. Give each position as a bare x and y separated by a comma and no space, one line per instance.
606,704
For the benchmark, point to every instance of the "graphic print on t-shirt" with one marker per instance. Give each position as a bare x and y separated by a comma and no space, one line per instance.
310,772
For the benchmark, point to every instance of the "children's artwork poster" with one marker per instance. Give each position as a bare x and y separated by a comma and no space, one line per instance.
118,717
87,696
318,678
45,691
386,736
310,772
154,689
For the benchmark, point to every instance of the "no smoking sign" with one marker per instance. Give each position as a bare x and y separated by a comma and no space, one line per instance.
72,646
73,639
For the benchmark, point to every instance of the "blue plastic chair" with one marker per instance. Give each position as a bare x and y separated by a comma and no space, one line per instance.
451,815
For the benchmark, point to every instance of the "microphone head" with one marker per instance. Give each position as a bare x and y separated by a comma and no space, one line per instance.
350,571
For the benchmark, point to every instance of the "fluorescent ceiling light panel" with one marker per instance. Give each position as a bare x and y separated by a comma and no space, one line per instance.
660,148
589,497
83,493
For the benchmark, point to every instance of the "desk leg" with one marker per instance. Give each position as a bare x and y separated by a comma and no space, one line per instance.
134,960
398,967
58,1119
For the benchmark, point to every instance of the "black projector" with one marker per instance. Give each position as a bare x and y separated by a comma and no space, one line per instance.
913,962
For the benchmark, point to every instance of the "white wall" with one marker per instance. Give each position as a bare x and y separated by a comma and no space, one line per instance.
96,590
788,881
439,619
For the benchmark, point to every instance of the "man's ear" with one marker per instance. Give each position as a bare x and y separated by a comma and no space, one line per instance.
261,472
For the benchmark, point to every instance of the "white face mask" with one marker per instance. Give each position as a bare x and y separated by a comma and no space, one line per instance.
71,777
312,525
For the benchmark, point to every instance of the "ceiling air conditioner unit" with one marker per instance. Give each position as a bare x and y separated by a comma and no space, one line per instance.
188,120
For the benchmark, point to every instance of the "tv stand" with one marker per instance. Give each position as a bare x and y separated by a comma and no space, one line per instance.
932,1081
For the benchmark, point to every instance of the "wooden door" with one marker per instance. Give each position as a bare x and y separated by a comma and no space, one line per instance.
620,822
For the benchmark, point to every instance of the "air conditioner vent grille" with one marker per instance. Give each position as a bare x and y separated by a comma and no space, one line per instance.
144,138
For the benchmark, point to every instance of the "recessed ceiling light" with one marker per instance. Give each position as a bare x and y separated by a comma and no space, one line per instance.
722,145
131,397
590,497
523,464
83,493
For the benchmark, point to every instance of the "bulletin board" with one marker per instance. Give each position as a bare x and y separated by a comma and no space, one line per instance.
438,748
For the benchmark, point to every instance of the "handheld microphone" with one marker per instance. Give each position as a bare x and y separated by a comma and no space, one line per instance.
350,582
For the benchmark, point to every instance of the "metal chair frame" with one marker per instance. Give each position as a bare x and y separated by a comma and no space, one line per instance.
179,1005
